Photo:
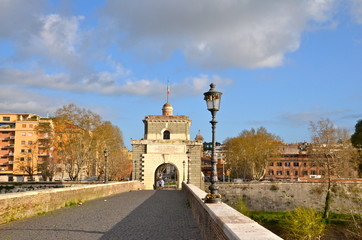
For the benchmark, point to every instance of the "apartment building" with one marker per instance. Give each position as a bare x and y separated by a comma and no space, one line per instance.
294,164
22,150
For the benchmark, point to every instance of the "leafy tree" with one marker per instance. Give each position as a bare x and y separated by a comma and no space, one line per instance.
108,136
356,140
303,224
356,137
247,155
331,148
75,139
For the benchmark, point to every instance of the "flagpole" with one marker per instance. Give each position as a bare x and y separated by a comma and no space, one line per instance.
168,89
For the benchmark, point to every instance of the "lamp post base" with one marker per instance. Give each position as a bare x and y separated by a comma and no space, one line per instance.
213,200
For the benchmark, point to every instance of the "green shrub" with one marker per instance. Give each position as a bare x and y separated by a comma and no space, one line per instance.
303,224
241,206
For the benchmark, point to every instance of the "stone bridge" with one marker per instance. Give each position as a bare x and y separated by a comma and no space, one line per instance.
122,211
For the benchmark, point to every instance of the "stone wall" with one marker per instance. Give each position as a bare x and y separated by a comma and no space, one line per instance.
21,205
219,221
346,197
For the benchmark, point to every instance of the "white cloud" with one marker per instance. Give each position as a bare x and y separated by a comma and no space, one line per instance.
356,10
25,101
106,83
18,19
315,114
216,34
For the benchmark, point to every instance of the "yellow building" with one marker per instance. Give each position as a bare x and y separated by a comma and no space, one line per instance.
21,154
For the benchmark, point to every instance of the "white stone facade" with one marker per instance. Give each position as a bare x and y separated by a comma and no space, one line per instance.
159,148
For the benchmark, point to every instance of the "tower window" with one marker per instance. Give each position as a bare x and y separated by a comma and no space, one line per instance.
166,134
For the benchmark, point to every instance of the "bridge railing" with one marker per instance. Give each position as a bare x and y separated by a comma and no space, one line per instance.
25,204
220,221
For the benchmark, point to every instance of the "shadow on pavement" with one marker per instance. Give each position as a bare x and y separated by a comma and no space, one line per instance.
164,215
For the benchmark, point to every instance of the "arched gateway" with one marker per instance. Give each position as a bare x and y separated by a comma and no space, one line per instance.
169,173
166,143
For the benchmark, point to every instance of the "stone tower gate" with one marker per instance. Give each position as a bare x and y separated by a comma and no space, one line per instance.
167,140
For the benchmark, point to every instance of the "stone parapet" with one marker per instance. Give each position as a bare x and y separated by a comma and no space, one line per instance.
15,206
219,221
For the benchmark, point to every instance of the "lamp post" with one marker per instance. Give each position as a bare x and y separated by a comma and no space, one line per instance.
183,162
105,165
212,98
188,165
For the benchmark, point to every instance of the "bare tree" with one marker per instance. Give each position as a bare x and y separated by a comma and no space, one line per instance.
47,165
331,148
29,160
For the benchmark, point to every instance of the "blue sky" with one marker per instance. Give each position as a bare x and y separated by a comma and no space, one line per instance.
280,64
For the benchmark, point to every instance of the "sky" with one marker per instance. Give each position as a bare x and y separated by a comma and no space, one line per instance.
279,63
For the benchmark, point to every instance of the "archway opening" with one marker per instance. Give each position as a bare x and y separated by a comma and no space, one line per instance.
168,173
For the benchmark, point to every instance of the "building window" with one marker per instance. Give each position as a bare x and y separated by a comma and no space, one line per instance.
166,134
6,118
305,164
29,150
279,172
296,164
271,172
29,158
23,134
279,164
22,150
305,173
21,159
313,172
271,164
22,142
23,126
288,173
296,173
287,164
30,142
30,134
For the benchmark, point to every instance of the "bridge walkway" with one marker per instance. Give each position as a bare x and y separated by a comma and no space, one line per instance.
137,215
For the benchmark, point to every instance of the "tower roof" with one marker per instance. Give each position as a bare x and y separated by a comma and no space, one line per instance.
199,136
167,109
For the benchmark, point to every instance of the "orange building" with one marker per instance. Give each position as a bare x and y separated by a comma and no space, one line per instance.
295,164
21,154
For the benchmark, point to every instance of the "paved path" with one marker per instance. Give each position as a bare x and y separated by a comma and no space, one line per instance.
134,215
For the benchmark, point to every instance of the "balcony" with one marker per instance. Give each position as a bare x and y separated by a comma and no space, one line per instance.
7,126
43,154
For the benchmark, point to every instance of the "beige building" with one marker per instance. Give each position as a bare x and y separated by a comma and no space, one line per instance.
166,151
21,154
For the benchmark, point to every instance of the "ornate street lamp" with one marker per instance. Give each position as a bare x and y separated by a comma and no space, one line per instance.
212,98
188,165
105,165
